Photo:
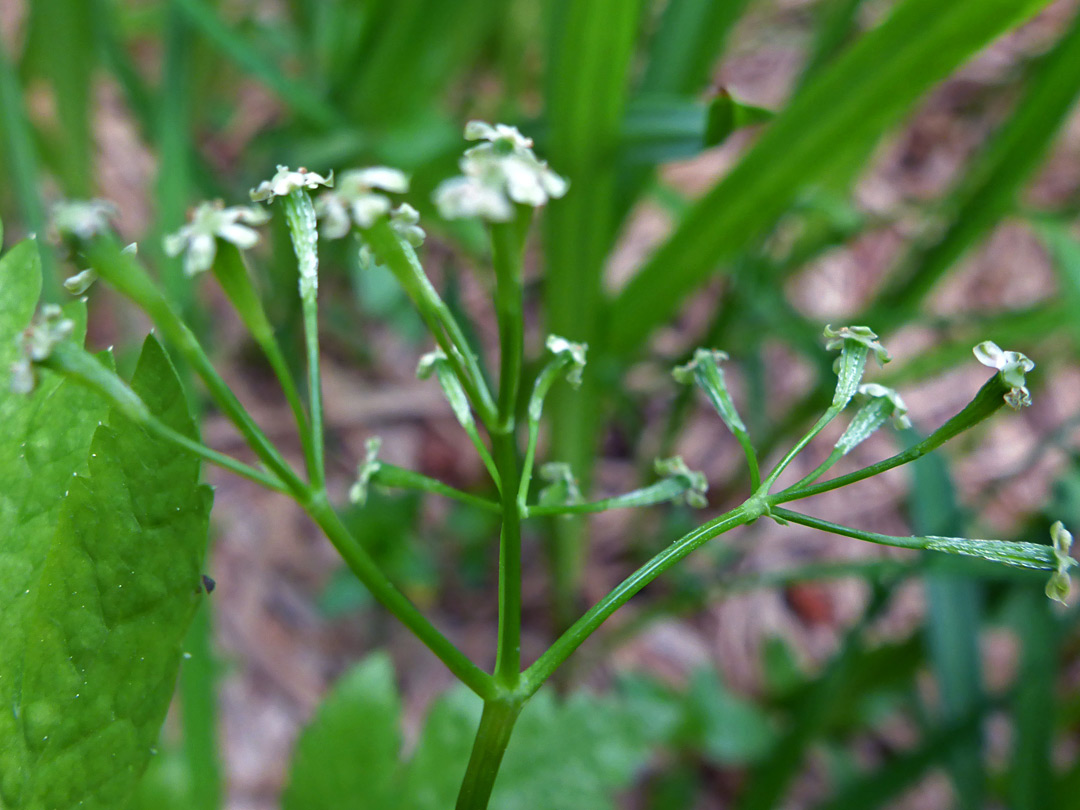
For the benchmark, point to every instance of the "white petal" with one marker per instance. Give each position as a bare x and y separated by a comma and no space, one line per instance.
989,354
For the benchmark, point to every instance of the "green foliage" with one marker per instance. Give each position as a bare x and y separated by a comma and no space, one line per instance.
110,528
565,755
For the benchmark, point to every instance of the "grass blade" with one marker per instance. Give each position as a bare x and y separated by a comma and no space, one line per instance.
991,186
854,101
952,626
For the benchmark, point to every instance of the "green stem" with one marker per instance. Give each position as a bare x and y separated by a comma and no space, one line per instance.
564,646
300,214
659,492
319,509
400,258
507,241
987,401
508,655
820,469
232,274
1035,556
492,737
826,417
506,255
389,475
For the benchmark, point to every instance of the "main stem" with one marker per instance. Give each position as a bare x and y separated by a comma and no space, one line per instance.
496,725
507,243
501,711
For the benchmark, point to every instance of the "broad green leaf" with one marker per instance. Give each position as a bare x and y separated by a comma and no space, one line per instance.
350,750
855,100
106,615
45,439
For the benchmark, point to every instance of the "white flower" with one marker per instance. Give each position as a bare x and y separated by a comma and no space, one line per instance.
496,174
286,181
899,415
355,199
36,344
209,222
82,219
502,135
1011,366
863,335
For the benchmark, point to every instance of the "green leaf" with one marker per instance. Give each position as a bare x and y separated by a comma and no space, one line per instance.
105,617
45,439
351,747
852,102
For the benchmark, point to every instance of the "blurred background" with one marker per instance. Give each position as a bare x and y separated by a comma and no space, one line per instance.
926,183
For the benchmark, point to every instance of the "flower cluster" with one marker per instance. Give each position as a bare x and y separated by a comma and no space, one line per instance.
286,181
860,335
358,492
357,200
574,353
496,174
1060,585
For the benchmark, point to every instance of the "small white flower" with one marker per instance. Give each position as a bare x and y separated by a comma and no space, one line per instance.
463,197
899,415
562,488
356,199
496,174
1011,366
857,334
36,344
209,222
286,181
83,219
502,135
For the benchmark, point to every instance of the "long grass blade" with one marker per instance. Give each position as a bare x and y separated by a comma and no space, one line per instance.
852,102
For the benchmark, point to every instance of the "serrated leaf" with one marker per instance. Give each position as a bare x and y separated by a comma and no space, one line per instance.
45,439
106,616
